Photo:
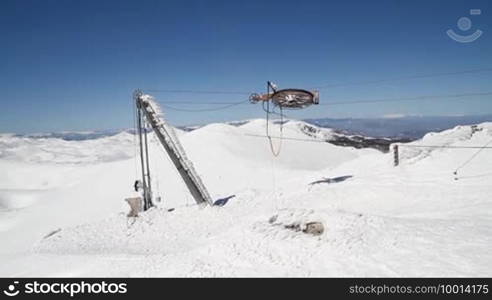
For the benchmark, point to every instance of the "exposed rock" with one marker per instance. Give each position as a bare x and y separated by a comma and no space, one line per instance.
135,206
314,228
349,140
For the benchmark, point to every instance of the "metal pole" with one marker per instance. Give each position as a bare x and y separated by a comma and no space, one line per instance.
396,157
142,161
139,125
148,198
187,173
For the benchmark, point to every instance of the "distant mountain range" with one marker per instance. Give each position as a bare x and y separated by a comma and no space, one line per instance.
76,135
395,129
410,127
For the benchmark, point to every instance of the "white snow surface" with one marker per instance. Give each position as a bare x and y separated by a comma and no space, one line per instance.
62,209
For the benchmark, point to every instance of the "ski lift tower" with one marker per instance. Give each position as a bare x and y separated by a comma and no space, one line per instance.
149,113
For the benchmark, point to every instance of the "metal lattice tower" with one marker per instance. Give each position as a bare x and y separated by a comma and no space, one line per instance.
149,111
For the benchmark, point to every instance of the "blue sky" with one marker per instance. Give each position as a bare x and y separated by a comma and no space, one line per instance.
72,65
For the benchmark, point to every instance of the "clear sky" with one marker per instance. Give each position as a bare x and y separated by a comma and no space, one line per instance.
72,65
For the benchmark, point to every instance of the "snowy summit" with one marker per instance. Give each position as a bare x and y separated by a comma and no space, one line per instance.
62,211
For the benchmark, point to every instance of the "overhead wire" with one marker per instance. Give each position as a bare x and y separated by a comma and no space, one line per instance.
204,109
281,125
266,108
226,105
326,141
195,102
353,83
408,77
444,146
345,102
217,92
471,158
400,78
287,138
424,97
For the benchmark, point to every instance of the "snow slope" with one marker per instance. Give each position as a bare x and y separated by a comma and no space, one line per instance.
62,211
57,150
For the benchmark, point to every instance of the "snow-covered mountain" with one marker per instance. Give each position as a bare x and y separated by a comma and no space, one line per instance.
62,211
401,126
105,146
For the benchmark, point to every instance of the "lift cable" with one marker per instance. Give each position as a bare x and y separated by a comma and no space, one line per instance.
217,92
163,104
424,97
401,78
348,102
471,158
399,144
269,137
354,83
444,146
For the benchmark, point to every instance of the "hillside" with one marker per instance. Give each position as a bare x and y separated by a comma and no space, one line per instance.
62,211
